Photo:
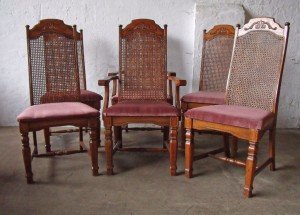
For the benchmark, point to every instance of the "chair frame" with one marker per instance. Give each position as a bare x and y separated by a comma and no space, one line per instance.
82,79
58,27
251,135
170,124
216,31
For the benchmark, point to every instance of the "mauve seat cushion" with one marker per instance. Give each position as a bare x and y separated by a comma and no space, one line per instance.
239,116
115,99
56,111
205,97
142,108
86,95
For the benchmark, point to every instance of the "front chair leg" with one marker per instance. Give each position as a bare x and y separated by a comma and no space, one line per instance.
94,142
27,157
182,132
272,134
80,138
173,150
250,168
189,153
109,150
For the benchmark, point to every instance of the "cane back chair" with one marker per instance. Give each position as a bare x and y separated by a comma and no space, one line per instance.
87,97
251,96
216,56
142,91
55,89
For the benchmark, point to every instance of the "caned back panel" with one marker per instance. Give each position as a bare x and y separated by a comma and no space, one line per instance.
216,56
143,52
53,68
256,66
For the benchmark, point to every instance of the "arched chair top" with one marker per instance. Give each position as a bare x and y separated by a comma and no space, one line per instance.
148,25
219,30
56,26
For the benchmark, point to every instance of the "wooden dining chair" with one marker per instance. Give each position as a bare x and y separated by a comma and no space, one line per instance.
86,96
216,56
142,90
55,90
251,97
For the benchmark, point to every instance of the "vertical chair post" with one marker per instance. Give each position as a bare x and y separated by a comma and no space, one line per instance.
189,148
173,145
108,146
94,142
272,134
226,145
47,139
234,146
27,157
250,168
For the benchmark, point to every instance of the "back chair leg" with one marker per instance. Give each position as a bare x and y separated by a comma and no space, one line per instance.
173,150
109,149
250,168
272,134
80,138
226,145
27,157
189,153
182,133
35,149
47,139
118,135
234,146
166,135
94,142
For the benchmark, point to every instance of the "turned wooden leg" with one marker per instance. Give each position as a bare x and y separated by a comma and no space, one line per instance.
166,131
94,142
173,150
226,145
118,135
47,139
189,152
234,146
250,168
35,149
272,134
99,133
80,138
27,157
109,150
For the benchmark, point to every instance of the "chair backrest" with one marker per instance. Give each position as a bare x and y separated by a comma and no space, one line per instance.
257,64
143,61
216,57
53,62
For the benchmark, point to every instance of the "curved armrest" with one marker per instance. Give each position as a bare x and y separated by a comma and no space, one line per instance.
105,82
178,83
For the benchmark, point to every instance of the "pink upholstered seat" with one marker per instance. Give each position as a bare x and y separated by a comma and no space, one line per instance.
142,108
245,117
115,99
57,111
90,98
205,97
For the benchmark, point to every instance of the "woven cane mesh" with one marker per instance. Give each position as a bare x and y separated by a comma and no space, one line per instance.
255,70
143,66
216,58
54,74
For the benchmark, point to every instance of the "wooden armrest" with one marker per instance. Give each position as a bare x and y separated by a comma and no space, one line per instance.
170,73
113,73
105,81
177,81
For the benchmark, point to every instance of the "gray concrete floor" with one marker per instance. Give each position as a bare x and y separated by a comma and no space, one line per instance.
142,185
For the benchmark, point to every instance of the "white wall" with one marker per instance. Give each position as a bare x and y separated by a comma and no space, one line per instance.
100,20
